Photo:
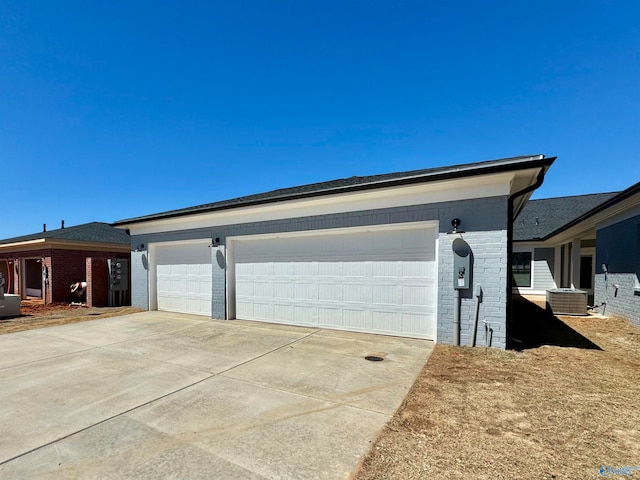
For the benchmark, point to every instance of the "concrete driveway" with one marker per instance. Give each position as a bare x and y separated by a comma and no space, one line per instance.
162,395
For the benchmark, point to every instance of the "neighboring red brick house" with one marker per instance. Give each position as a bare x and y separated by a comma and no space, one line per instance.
43,266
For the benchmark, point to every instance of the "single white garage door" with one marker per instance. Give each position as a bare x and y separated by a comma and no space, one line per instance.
183,274
381,281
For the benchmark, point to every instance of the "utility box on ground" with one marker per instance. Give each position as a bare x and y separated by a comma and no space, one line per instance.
118,280
567,301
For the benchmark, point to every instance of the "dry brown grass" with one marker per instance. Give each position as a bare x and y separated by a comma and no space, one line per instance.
545,413
40,316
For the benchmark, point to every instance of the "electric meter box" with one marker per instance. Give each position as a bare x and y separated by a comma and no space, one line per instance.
119,274
461,264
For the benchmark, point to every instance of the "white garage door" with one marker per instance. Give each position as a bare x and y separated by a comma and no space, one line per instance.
183,273
381,281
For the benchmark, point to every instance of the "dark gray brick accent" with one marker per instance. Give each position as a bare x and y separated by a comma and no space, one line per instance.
618,246
624,302
489,249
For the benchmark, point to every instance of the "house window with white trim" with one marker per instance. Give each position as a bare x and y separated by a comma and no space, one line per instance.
521,269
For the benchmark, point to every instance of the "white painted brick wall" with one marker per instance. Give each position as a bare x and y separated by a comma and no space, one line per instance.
139,280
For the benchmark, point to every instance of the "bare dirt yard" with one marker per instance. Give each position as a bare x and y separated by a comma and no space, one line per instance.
37,315
563,407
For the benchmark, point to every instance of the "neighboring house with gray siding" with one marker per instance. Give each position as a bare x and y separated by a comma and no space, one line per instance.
369,254
540,260
588,242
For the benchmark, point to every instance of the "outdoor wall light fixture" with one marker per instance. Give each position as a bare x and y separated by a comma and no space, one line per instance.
455,223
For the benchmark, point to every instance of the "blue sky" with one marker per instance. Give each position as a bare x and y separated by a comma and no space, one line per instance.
110,110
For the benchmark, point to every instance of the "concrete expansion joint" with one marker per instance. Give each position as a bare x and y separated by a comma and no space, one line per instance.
334,403
18,365
269,352
104,420
97,347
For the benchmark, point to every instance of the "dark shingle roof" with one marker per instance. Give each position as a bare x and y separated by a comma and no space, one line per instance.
358,183
540,218
97,232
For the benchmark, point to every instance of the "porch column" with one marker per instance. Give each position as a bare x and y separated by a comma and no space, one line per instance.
575,263
557,266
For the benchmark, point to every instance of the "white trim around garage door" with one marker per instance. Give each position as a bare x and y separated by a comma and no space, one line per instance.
375,279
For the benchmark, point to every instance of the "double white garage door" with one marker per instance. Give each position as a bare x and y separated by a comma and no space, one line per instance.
378,280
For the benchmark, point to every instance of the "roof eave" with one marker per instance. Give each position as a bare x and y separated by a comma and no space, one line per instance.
537,161
62,244
633,190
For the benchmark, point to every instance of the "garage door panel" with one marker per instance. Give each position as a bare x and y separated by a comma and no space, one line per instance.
358,319
306,291
358,293
330,292
306,315
377,281
330,316
391,321
330,269
416,269
283,269
184,277
244,288
414,323
387,269
263,289
263,311
387,294
264,269
305,269
284,312
282,290
414,295
245,310
357,269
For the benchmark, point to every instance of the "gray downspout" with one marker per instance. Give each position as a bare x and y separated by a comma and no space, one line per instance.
512,197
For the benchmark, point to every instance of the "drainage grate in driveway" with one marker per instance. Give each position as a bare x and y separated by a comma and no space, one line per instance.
374,358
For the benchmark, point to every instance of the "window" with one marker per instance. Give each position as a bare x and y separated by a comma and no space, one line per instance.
521,269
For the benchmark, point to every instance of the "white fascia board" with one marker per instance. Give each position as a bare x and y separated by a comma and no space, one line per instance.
534,243
491,185
45,243
18,246
625,212
529,246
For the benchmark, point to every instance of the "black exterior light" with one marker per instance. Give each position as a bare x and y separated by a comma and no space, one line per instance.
455,223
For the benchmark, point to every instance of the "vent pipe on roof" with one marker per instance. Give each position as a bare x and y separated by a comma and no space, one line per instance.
44,227
62,226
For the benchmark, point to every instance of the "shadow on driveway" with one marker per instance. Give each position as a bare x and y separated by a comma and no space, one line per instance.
533,326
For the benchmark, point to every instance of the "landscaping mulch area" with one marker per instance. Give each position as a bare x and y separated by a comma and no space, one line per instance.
36,315
562,409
